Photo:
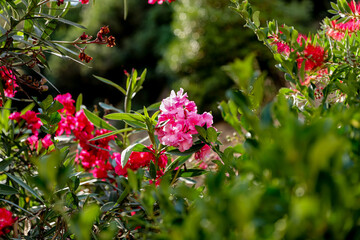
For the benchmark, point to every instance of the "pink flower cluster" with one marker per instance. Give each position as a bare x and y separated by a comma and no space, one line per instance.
9,79
140,160
177,121
337,30
6,221
159,1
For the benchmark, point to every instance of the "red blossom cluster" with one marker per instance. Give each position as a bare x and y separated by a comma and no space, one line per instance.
93,156
9,82
33,123
141,160
314,56
6,221
159,1
101,38
175,128
337,30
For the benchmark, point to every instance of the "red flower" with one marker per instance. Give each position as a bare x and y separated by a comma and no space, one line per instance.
84,36
110,41
313,56
139,160
84,57
10,82
6,221
68,102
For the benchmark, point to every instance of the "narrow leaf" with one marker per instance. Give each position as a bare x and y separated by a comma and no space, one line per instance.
24,185
98,122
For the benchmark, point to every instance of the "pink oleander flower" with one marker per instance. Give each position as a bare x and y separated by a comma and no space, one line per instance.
202,154
46,141
84,1
177,121
68,102
66,125
6,221
32,122
9,79
159,1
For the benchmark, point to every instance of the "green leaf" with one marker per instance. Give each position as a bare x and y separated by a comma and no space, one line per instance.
55,118
195,148
256,18
79,101
25,186
98,122
111,134
43,15
191,172
152,170
45,104
104,80
73,183
125,117
109,107
7,190
201,131
211,134
177,162
5,163
54,107
107,206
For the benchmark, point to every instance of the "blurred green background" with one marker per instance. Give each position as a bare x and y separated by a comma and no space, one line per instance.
182,44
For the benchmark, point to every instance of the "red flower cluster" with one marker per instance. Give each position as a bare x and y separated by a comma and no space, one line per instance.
9,79
337,30
140,160
101,38
6,221
93,155
159,1
314,56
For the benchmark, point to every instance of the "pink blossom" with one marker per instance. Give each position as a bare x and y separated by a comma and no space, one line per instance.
10,82
46,141
159,1
32,122
6,221
68,102
84,1
177,121
202,154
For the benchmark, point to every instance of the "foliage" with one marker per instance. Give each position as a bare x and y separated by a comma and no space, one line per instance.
208,35
292,173
140,44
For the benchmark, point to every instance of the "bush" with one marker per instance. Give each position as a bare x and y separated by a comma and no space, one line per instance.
292,173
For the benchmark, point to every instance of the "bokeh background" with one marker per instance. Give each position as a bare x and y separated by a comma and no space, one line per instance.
182,44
